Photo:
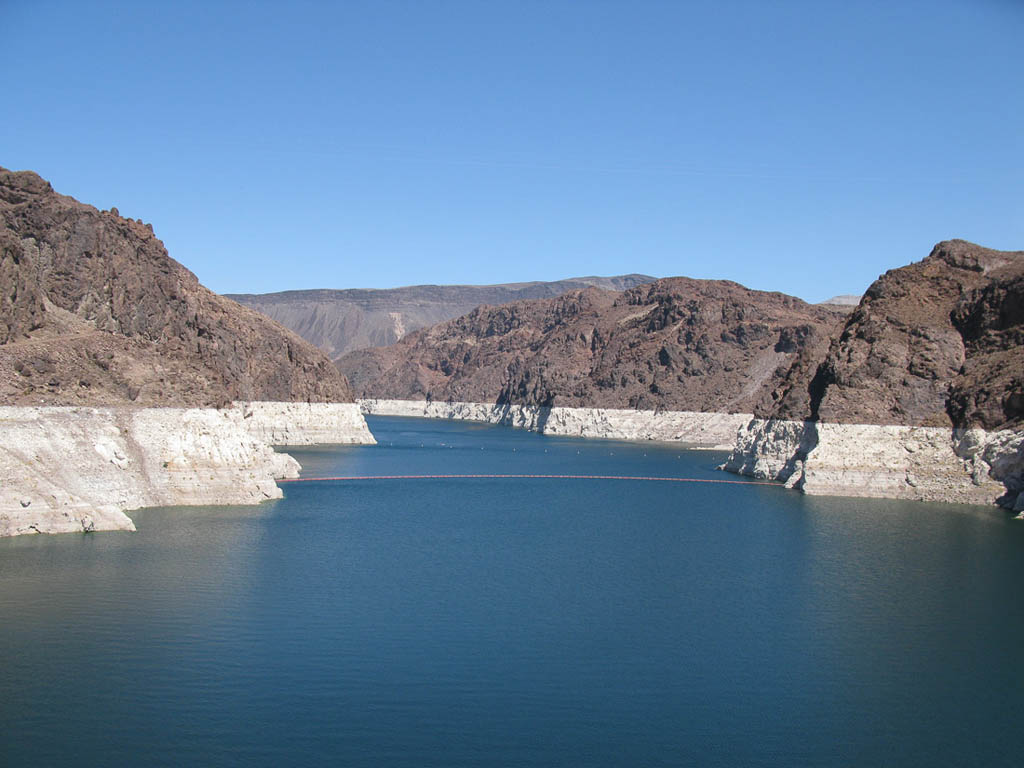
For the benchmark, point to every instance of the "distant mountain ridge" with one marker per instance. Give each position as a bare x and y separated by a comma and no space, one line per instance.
344,320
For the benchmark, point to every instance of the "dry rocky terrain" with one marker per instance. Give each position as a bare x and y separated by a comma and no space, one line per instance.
97,318
340,321
93,311
936,343
674,344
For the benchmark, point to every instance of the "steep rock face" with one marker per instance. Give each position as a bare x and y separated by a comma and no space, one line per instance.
93,311
674,344
341,321
989,390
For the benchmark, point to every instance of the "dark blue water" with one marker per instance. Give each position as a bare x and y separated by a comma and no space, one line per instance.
518,622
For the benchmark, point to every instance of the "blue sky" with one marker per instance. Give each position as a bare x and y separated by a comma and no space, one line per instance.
796,146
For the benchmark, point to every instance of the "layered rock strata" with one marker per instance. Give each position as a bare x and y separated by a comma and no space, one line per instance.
715,431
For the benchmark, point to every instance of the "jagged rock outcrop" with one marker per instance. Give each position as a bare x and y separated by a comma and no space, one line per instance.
920,396
674,344
341,321
93,311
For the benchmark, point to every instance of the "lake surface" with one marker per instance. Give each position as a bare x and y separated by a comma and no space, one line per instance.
518,622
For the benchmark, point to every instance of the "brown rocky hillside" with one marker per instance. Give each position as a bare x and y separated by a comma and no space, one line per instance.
936,343
675,344
93,311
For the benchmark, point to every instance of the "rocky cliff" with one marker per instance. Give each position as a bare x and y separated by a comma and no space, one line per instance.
340,321
917,393
93,311
936,343
920,395
674,344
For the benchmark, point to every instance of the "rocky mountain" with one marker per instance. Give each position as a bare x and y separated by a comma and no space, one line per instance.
93,311
936,343
339,321
674,344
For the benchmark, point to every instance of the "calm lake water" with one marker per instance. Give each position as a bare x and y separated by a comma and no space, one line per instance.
518,622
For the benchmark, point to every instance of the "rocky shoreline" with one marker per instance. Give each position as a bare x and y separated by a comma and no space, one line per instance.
966,466
972,466
711,431
75,469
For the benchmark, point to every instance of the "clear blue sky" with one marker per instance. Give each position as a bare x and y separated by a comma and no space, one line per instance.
796,146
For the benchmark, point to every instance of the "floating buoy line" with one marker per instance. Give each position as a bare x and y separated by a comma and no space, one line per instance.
341,478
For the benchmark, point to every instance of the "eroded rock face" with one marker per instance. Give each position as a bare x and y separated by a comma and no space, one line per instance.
675,344
885,461
94,312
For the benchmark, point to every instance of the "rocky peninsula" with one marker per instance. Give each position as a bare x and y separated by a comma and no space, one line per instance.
125,383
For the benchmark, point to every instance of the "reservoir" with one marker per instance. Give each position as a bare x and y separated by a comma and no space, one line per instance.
518,621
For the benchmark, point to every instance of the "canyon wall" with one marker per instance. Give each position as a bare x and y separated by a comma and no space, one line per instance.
95,312
304,423
672,345
918,393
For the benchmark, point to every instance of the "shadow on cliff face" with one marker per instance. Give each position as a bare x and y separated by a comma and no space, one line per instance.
507,417
543,414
